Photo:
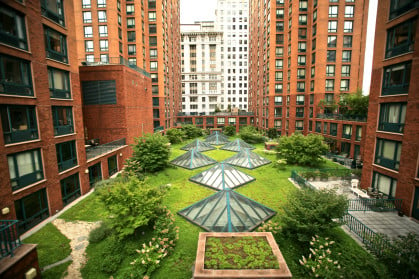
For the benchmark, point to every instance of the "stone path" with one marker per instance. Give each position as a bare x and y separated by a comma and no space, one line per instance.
78,233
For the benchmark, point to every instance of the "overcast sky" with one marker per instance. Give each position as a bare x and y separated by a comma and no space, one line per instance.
197,10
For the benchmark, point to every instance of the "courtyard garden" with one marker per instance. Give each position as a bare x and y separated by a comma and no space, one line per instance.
147,238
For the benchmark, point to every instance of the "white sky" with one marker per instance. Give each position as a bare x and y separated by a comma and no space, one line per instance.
197,10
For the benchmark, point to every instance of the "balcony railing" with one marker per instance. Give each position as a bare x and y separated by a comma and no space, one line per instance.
387,163
341,117
158,129
15,89
240,113
19,136
9,237
98,150
63,130
115,61
391,127
375,205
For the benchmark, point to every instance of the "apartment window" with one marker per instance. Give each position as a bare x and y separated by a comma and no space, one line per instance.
344,85
130,23
302,46
347,131
62,118
278,100
132,49
66,155
313,71
54,10
331,41
302,19
231,121
112,165
349,11
221,121
358,135
346,55
131,36
311,99
279,64
332,26
101,15
279,51
301,73
279,13
101,3
396,79
318,127
301,59
15,76
330,70
278,123
398,7
152,16
330,85
401,38
299,112
280,26
301,86
130,9
392,117
346,71
87,17
153,53
333,11
132,61
387,153
303,5
384,184
103,44
55,45
302,33
333,129
152,28
88,31
278,88
299,125
86,4
104,58
88,46
300,100
331,56
59,83
153,66
90,58
12,28
103,31
70,188
347,41
25,168
19,123
278,76
348,26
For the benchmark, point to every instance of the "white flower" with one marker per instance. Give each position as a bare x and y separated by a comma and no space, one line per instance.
143,262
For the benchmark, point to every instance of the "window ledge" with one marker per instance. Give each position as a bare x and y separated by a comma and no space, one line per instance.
56,61
389,133
17,96
16,48
59,99
68,170
29,186
382,167
66,135
23,142
397,56
395,95
55,23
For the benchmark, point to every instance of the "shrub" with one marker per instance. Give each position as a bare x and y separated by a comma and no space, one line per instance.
112,257
99,233
280,164
131,204
250,135
272,133
311,212
150,154
191,131
230,131
175,135
302,150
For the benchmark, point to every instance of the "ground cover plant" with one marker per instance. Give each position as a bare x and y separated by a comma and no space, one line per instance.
247,252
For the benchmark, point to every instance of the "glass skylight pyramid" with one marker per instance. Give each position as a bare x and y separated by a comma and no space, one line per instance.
237,145
201,146
192,159
247,159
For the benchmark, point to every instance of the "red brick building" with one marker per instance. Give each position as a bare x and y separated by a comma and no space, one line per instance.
391,165
218,120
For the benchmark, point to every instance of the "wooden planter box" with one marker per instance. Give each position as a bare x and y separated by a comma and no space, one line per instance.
201,273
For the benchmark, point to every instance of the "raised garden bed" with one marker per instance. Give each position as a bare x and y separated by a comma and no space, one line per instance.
239,255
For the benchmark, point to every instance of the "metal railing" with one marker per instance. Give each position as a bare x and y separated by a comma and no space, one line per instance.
341,117
301,181
9,237
115,61
240,113
380,205
95,151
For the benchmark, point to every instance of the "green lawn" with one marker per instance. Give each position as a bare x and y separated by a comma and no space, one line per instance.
271,189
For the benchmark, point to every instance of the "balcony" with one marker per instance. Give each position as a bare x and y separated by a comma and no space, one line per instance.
98,150
9,237
341,117
391,127
115,61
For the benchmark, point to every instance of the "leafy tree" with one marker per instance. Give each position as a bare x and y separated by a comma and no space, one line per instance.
354,104
309,212
150,154
131,204
272,133
175,135
191,131
302,150
250,135
230,130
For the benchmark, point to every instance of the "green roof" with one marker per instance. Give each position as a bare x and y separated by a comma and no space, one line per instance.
199,145
247,159
237,145
192,159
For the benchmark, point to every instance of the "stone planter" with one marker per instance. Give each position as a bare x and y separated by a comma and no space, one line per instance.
201,272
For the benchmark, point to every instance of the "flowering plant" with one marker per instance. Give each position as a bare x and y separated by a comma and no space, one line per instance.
269,226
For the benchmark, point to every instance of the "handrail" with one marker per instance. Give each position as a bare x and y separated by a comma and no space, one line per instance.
380,205
9,237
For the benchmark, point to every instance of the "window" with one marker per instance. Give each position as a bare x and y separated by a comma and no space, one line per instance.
401,38
220,121
333,129
302,46
132,49
301,86
348,26
325,124
59,83
387,153
301,73
103,44
392,117
384,184
303,5
104,58
54,10
279,64
346,55
66,155
331,56
88,46
301,59
347,131
130,9
299,125
278,100
55,45
278,76
349,11
358,135
318,127
153,53
62,118
300,100
90,58
347,41
332,26
130,22
88,31
95,174
396,79
398,7
15,76
333,11
331,41
132,61
153,66
302,33
101,3
344,85
299,112
103,31
330,70
112,165
87,17
330,84
31,210
329,98
278,88
302,19
86,4
279,13
101,15
313,71
131,36
279,51
19,123
231,121
12,28
152,28
346,71
70,188
25,168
